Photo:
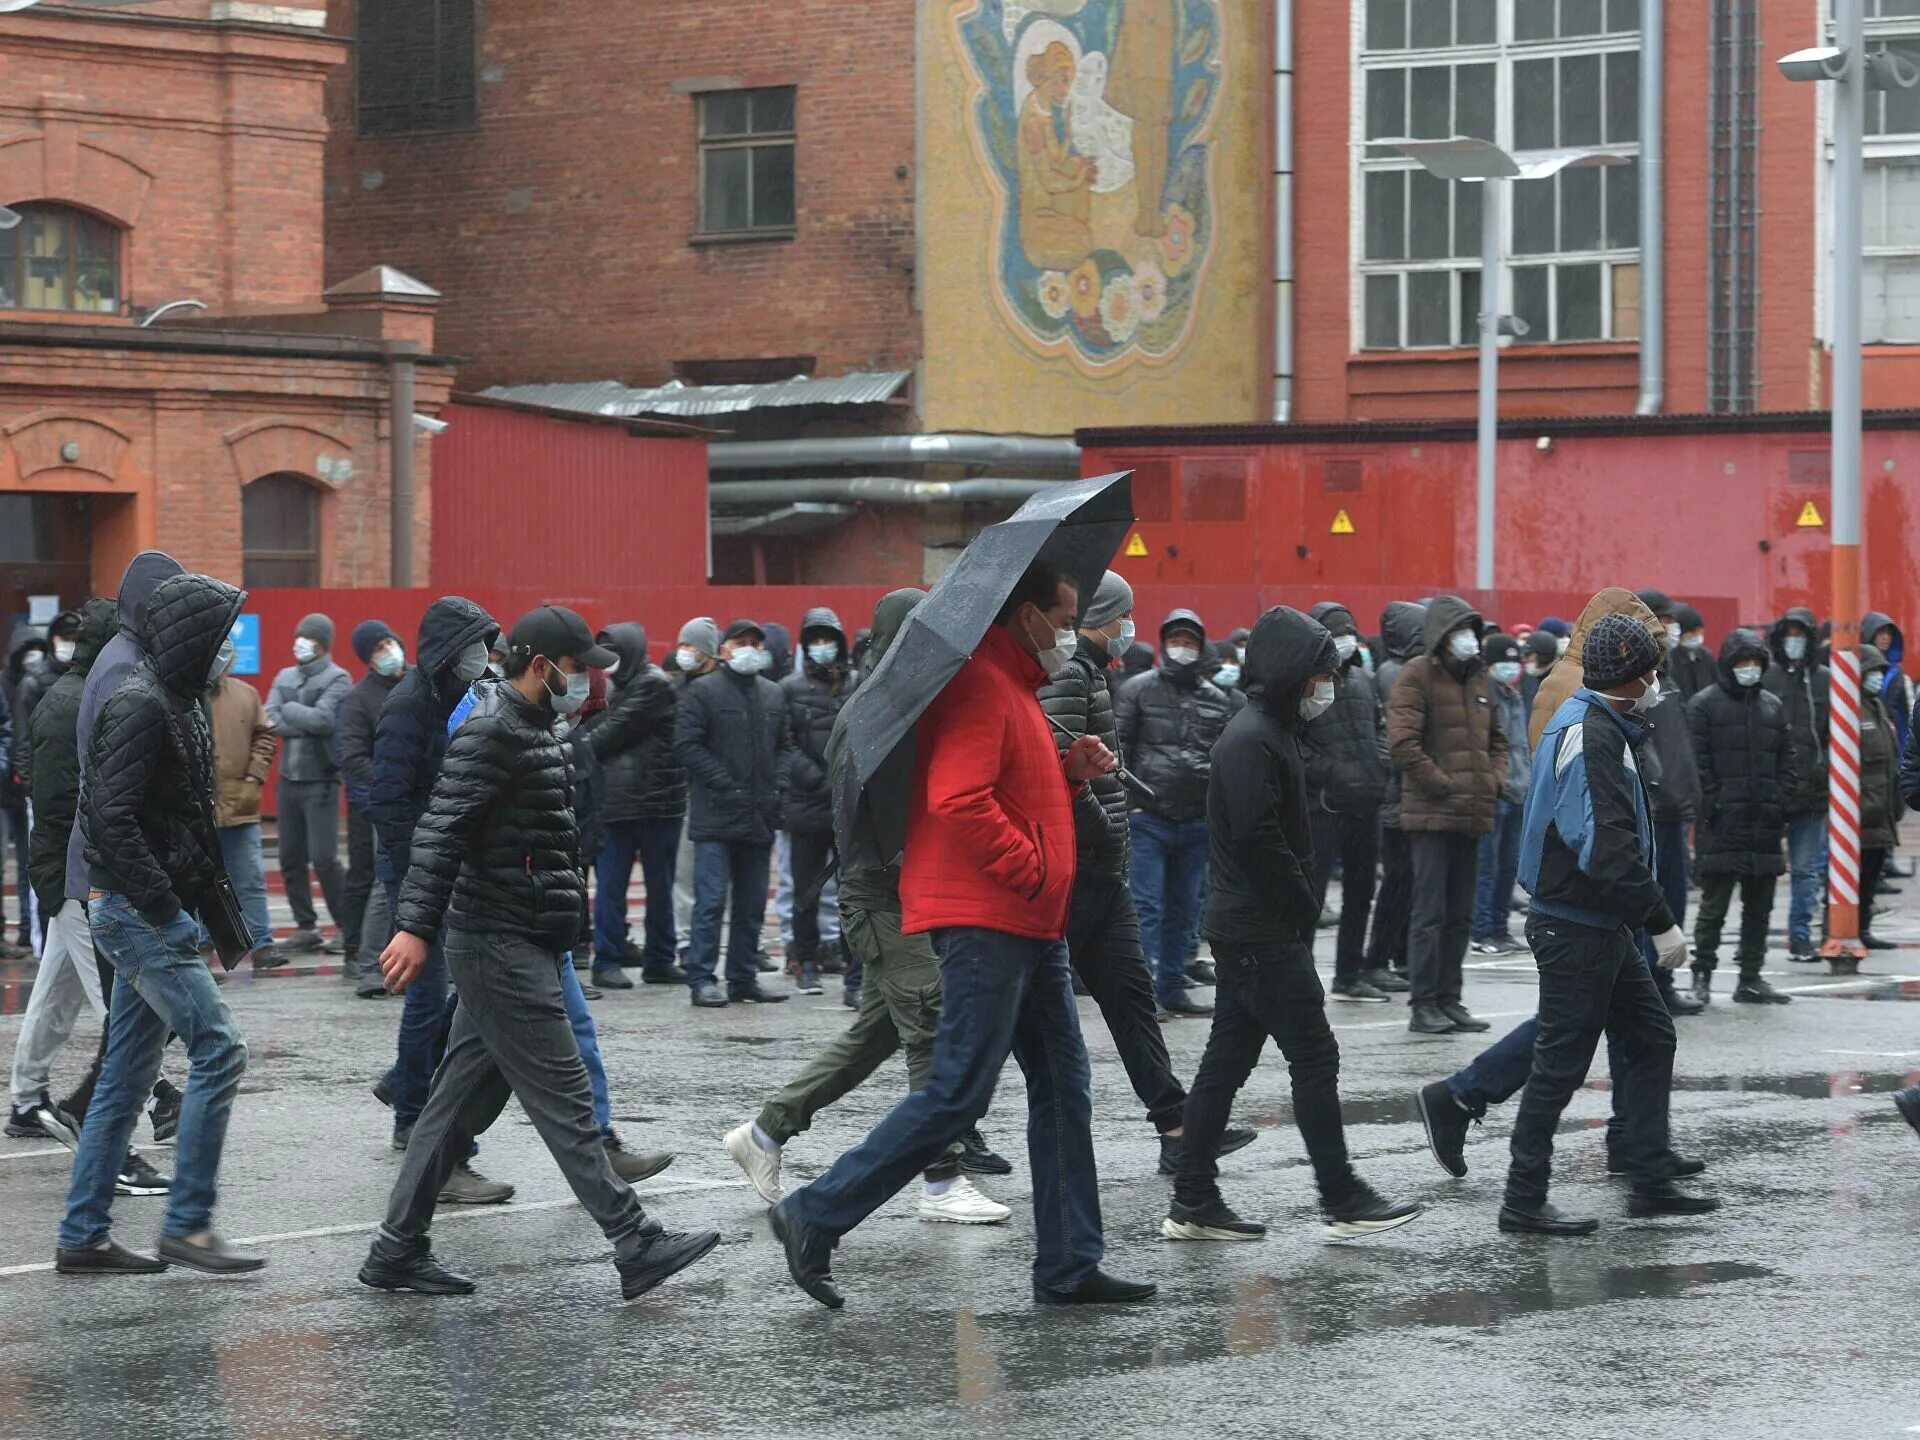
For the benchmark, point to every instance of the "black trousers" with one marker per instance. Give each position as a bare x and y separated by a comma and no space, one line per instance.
1103,947
358,885
1592,982
1873,866
810,850
1270,992
1387,950
1756,908
1354,841
1445,869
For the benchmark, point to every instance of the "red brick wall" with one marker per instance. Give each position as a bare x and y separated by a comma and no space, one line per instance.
559,227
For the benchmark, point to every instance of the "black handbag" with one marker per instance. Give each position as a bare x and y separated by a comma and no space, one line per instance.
219,909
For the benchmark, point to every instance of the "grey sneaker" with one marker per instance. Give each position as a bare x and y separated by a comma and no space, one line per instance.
467,1186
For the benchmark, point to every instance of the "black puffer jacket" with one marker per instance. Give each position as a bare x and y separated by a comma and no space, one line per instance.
13,679
1168,720
1403,635
633,737
1079,698
32,689
1345,748
734,742
1693,669
54,758
1802,686
354,724
1747,766
147,820
814,695
1673,778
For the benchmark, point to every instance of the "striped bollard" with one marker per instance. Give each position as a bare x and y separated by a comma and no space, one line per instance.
1843,949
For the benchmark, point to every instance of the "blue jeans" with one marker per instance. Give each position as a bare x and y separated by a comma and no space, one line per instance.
424,1023
1499,869
240,846
1807,854
588,1039
162,986
999,993
720,865
656,843
1167,873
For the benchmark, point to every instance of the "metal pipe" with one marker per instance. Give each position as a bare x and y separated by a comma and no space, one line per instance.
1489,381
400,522
1061,455
1283,211
1653,261
876,489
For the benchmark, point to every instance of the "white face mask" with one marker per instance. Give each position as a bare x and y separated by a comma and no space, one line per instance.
823,653
471,663
1345,645
1560,643
1506,671
1317,704
305,649
1643,704
1692,640
1795,647
1747,674
1673,633
688,658
1118,645
1227,676
223,659
63,651
579,687
389,660
1463,644
1181,654
746,661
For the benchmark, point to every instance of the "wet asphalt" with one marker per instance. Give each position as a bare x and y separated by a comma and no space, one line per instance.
1792,1312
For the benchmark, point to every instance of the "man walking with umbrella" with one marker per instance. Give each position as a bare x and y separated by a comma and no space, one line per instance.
988,871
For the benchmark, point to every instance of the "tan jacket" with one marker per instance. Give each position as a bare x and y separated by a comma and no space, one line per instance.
243,746
1568,675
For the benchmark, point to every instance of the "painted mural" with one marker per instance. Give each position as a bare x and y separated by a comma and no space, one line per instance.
1093,120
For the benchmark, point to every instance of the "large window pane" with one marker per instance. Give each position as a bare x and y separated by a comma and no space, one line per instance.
1623,206
724,205
1430,108
773,110
1623,96
1475,23
725,112
1386,193
1902,187
773,186
1469,307
1387,24
1473,103
1533,19
1530,300
1577,301
1533,105
1580,100
1623,15
1626,302
1386,104
1467,202
1580,209
1533,227
1430,308
1430,24
1580,17
1903,299
1429,230
1383,312
1903,106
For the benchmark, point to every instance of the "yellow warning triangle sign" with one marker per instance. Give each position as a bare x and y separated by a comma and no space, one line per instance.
1342,524
1809,516
1136,547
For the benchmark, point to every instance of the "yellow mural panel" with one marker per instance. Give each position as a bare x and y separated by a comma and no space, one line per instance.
1093,202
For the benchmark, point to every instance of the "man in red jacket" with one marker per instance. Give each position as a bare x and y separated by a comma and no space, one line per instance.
988,871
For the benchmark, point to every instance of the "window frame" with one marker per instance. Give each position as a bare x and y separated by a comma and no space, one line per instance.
316,494
748,140
1503,53
1879,151
70,216
469,117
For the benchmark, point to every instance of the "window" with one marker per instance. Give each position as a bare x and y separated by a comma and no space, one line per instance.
1529,75
1890,202
746,161
417,60
60,259
280,532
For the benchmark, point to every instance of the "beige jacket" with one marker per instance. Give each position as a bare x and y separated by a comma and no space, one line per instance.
243,746
1569,674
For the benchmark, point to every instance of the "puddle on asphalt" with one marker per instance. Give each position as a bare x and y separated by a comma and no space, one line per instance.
750,1039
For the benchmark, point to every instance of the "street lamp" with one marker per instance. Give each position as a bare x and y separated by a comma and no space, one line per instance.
1852,72
1464,158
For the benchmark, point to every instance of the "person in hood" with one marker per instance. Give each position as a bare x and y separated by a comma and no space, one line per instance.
1168,720
1452,755
1538,654
304,699
1692,664
1666,612
377,647
1587,861
1403,635
35,681
1223,668
152,855
26,658
1748,767
1879,630
496,861
1345,749
243,748
646,804
1500,850
988,871
814,695
1260,923
1672,777
1801,682
1881,809
696,652
899,997
1565,678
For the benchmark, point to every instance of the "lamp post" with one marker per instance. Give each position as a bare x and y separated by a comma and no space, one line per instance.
1464,158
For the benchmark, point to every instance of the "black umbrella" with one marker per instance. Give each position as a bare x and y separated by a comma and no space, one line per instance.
1078,526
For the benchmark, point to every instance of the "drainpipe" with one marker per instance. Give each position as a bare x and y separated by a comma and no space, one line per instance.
875,489
400,376
1283,211
1653,261
1061,455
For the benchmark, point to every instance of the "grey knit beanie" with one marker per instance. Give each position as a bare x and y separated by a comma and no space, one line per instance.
1113,599
317,628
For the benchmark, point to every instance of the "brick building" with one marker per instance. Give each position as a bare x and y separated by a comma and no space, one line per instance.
176,154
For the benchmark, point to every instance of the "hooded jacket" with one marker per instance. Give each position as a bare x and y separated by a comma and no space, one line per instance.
1568,676
1258,829
302,704
1672,776
116,658
243,746
1403,635
145,819
354,724
1168,720
54,759
633,738
1442,734
31,689
1345,747
13,714
1078,697
732,738
1898,696
1802,686
870,868
1693,669
814,695
1881,809
780,647
410,737
1746,761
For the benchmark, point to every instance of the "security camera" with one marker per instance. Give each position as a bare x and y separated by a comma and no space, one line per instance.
1544,444
1823,62
1890,70
430,425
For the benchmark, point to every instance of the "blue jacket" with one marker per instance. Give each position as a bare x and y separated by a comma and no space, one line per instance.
1514,712
1586,843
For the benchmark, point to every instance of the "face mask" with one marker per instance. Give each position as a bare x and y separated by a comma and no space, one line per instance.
1506,671
493,670
1876,682
1463,645
1692,640
63,651
1345,645
1316,704
1536,669
1643,704
1366,661
1673,634
223,659
1181,654
1560,644
578,687
390,661
1065,643
687,658
762,659
823,654
471,663
305,649
1227,676
745,662
1118,645
1747,674
34,661
1795,647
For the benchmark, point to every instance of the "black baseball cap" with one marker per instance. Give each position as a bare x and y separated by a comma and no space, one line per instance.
554,631
742,627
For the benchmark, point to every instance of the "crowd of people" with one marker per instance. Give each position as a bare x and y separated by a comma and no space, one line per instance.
1085,813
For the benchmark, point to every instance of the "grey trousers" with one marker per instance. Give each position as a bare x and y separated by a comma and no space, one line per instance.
376,928
511,1037
68,975
310,835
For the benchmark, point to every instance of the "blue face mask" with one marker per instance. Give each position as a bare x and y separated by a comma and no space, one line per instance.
1876,682
1227,676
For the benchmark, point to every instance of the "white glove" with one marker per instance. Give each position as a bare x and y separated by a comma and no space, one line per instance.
1670,948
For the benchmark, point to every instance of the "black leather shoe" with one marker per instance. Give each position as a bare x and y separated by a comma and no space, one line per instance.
1544,1218
1874,942
1447,1125
665,975
216,1257
1669,1199
1386,980
1683,1002
977,1159
1703,987
755,994
708,997
1462,1018
663,1256
611,977
1428,1019
1752,990
1099,1288
417,1271
1202,972
116,1259
1184,1004
1234,1137
809,1256
1677,1167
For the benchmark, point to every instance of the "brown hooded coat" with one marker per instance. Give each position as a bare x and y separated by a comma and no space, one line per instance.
1568,675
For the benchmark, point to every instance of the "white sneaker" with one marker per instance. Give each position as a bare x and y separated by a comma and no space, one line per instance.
961,1204
762,1166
